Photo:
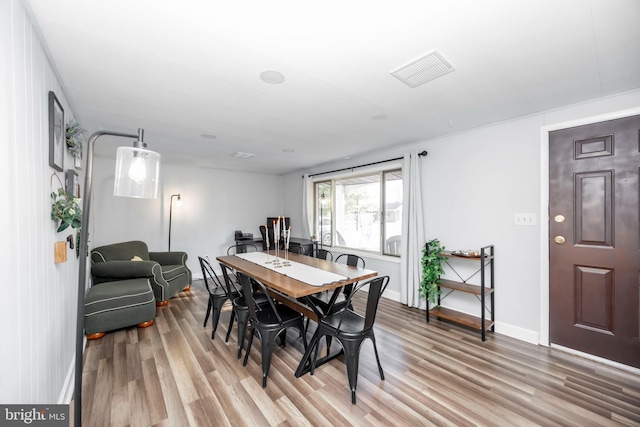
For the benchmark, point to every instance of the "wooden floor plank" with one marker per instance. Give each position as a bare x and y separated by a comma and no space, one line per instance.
138,409
153,392
172,374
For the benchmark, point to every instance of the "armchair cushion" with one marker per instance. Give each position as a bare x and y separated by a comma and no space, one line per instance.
167,271
120,252
168,258
118,304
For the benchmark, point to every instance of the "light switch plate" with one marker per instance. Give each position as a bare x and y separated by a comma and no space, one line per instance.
525,219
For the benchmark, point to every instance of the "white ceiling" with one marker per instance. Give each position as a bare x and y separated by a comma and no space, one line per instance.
180,69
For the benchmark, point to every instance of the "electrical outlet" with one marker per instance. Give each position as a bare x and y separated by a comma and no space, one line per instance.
525,219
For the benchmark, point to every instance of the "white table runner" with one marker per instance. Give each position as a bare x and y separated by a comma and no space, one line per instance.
305,273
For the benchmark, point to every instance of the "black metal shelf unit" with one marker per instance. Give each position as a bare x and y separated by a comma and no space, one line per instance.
483,291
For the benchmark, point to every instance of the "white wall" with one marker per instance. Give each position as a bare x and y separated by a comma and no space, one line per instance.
215,203
473,183
38,307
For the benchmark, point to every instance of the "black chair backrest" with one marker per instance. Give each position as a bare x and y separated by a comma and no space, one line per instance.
353,261
323,254
247,290
230,285
263,231
377,285
296,249
241,248
211,279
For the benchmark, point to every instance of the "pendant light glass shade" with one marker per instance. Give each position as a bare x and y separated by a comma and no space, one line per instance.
137,173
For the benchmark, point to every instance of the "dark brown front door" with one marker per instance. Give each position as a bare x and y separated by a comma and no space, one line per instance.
594,244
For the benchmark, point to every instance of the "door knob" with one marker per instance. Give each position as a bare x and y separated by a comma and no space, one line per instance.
559,218
559,240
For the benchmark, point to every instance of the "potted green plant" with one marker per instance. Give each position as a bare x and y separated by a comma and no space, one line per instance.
66,209
432,268
75,137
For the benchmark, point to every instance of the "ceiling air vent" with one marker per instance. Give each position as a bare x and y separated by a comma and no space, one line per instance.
422,70
242,155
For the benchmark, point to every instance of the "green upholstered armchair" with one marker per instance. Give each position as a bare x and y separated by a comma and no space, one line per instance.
167,271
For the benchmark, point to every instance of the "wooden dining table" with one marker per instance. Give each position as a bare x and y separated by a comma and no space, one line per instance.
294,292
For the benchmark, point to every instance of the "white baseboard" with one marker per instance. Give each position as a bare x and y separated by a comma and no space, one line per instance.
596,359
526,335
392,295
516,332
66,394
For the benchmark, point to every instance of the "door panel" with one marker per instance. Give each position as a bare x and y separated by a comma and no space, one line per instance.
594,250
594,299
592,204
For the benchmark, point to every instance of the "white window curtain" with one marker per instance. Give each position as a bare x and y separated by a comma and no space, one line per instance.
412,231
307,206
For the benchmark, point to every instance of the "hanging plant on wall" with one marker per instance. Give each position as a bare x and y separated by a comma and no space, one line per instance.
66,209
75,138
432,268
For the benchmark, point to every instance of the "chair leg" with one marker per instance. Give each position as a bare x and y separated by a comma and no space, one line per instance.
231,319
267,342
243,316
208,313
162,303
329,338
246,355
217,308
352,360
375,350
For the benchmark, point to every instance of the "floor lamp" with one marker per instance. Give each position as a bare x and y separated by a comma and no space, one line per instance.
170,211
137,175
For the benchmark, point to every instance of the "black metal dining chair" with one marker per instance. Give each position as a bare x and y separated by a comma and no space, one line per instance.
322,254
350,329
322,300
297,250
240,308
218,294
269,321
241,248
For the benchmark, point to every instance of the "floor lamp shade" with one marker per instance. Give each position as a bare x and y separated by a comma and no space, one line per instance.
137,173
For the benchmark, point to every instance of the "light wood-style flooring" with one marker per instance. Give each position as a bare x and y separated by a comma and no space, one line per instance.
173,374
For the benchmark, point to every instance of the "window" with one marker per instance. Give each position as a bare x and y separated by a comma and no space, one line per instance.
361,212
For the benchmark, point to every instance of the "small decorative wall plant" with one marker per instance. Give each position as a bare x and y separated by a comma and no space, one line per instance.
66,209
75,137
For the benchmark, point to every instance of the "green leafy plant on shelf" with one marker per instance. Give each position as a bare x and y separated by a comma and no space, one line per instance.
433,259
75,137
66,209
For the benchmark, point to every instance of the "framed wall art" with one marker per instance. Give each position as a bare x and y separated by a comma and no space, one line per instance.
56,133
